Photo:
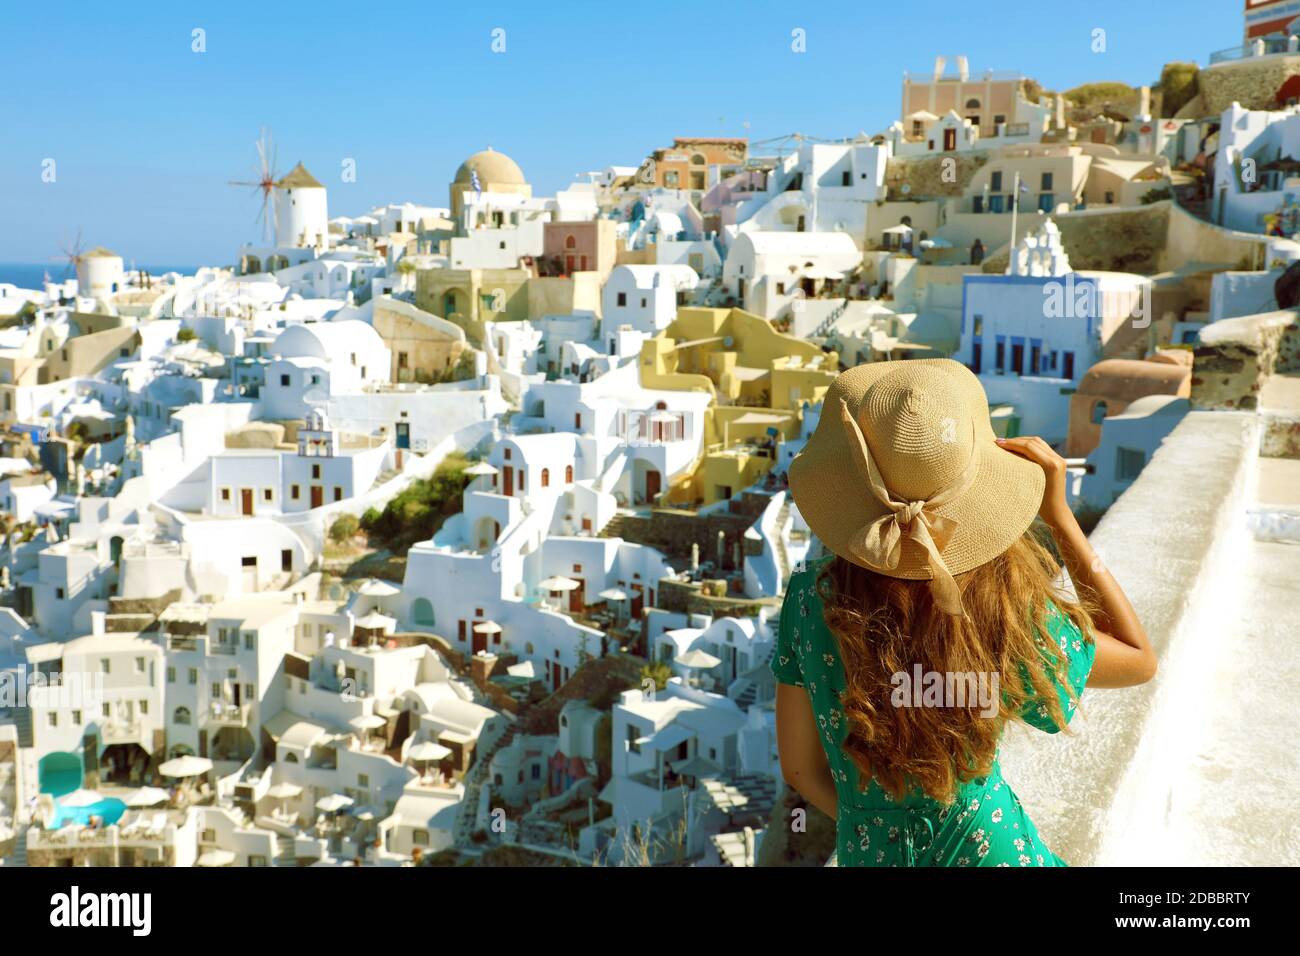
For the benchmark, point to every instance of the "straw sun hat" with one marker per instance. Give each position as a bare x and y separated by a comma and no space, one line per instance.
902,475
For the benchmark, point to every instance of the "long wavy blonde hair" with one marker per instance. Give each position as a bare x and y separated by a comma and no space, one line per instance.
887,626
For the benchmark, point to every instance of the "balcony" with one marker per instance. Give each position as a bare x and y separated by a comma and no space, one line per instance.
228,715
121,732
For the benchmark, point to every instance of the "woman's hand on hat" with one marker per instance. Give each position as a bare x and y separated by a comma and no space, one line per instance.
1054,510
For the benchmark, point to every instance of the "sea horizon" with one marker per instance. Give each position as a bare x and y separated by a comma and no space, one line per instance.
31,275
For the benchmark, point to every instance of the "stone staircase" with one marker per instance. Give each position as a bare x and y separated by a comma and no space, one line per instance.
474,783
748,695
615,527
825,325
284,851
778,542
23,721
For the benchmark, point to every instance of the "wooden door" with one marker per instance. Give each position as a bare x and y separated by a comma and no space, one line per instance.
652,484
317,496
577,599
246,501
507,481
480,640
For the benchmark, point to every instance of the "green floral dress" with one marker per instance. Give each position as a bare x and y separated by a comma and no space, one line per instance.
984,826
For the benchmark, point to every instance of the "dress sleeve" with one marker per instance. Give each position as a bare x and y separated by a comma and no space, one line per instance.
1063,637
785,662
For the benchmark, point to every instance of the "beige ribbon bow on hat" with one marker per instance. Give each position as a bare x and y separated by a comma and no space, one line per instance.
879,543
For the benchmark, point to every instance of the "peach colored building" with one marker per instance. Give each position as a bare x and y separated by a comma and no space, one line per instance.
687,163
986,100
569,247
1111,386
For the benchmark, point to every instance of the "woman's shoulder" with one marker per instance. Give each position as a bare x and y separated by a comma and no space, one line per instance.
804,575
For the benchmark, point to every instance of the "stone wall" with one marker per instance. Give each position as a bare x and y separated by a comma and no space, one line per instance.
924,175
698,597
1236,356
1251,82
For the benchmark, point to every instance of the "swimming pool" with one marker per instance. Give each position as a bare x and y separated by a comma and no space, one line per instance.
109,810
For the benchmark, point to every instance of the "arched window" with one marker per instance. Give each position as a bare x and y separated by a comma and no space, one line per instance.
568,474
181,715
291,758
1098,413
972,104
546,477
570,242
698,159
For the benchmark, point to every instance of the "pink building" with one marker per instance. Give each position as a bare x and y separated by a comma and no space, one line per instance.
569,247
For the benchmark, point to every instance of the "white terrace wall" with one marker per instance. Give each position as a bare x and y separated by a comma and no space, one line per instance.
1096,791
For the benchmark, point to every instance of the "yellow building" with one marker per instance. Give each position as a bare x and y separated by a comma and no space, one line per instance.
470,297
760,379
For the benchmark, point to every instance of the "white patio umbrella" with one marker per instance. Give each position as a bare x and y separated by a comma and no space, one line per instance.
81,798
698,660
284,791
558,583
480,468
428,751
374,621
147,797
616,596
487,627
187,766
373,587
215,858
367,722
333,803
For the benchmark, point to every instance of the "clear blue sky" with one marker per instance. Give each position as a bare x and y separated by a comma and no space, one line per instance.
146,132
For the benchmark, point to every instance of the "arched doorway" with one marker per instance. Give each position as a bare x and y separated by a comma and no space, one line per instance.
124,764
422,612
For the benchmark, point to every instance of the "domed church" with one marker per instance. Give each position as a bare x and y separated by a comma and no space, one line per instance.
497,173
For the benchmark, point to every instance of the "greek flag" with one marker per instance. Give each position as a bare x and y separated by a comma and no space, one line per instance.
478,186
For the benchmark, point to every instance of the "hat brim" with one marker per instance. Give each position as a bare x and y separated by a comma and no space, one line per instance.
835,502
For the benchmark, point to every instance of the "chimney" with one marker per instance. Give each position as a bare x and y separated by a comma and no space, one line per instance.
939,64
1144,102
963,68
480,668
1060,111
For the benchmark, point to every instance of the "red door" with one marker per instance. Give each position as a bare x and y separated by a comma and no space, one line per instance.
568,263
317,496
246,500
651,486
577,601
949,139
480,640
638,601
507,481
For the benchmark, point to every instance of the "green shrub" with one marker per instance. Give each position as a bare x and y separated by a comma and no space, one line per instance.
186,334
1179,84
344,527
420,509
1156,195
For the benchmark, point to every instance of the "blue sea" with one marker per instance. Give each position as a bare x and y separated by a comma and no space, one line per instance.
31,275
